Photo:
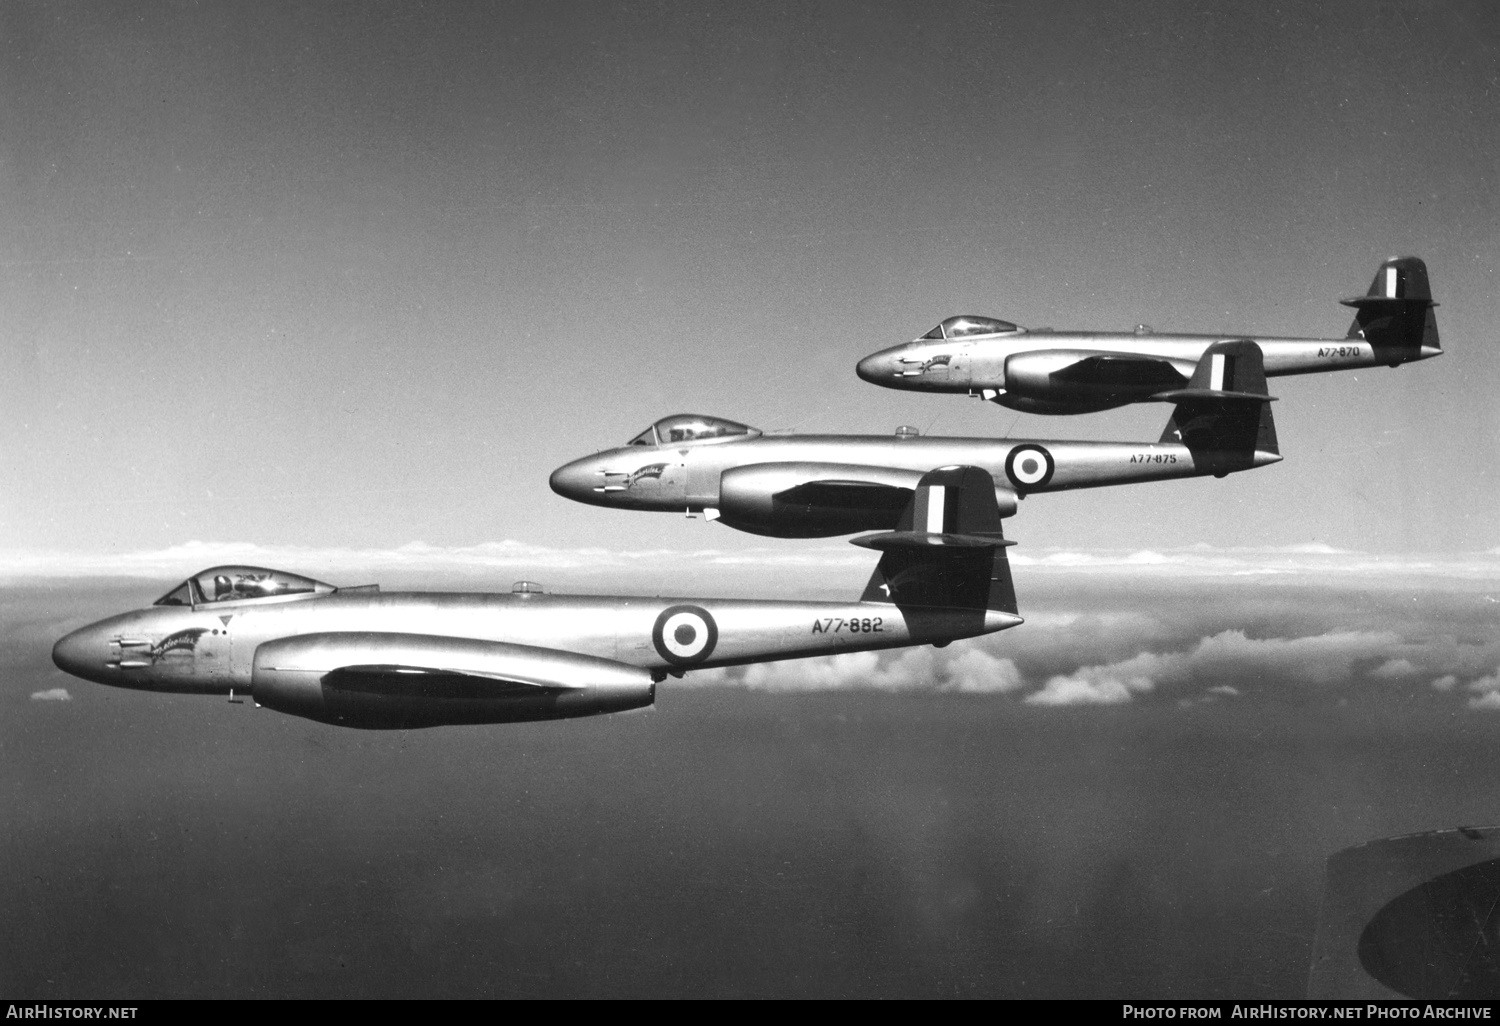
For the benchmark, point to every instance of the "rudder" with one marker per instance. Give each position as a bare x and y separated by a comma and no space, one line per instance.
1224,415
1396,315
947,552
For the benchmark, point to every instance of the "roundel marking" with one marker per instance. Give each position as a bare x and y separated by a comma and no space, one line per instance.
684,635
1029,466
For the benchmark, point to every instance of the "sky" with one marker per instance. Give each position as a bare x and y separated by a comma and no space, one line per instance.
333,288
362,275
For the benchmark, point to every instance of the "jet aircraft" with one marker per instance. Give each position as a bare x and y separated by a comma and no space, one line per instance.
1063,372
809,486
359,657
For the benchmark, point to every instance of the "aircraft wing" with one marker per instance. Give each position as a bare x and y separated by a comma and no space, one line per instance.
434,682
1124,370
420,664
384,681
838,493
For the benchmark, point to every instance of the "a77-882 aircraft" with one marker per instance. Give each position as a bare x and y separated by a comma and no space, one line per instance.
358,657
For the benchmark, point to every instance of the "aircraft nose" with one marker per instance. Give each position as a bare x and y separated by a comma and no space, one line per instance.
877,368
81,653
574,480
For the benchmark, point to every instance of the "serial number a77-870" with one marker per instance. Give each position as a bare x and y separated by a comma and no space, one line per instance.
833,625
1340,351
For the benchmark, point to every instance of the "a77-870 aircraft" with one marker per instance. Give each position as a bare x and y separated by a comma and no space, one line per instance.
1060,372
358,657
807,486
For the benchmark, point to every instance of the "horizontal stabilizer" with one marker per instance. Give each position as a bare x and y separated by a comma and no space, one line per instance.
1187,394
919,539
1385,304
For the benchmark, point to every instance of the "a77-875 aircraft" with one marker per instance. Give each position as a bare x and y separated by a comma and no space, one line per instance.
1060,372
359,657
807,486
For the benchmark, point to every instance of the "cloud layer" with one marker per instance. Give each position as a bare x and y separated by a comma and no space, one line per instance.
1320,659
1111,647
1301,562
968,671
195,555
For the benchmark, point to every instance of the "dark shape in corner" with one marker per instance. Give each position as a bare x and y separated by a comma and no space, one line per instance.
1415,916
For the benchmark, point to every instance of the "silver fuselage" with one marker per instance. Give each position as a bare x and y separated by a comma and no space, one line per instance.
210,648
686,476
977,364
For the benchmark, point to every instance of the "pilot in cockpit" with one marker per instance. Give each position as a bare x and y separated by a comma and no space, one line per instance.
967,325
237,583
688,427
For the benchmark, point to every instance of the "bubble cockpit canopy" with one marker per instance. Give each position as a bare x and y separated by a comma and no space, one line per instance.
966,325
690,427
239,583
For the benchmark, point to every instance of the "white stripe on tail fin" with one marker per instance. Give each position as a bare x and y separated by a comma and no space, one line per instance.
1216,372
936,498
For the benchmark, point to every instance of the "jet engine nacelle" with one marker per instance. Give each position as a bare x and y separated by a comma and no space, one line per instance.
1074,380
820,500
394,681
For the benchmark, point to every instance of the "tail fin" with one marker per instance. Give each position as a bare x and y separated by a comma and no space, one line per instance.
1224,414
945,564
1396,314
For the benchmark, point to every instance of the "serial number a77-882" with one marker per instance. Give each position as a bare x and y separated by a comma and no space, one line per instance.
833,625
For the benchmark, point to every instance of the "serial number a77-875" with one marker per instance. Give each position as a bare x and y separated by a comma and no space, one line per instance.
833,625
